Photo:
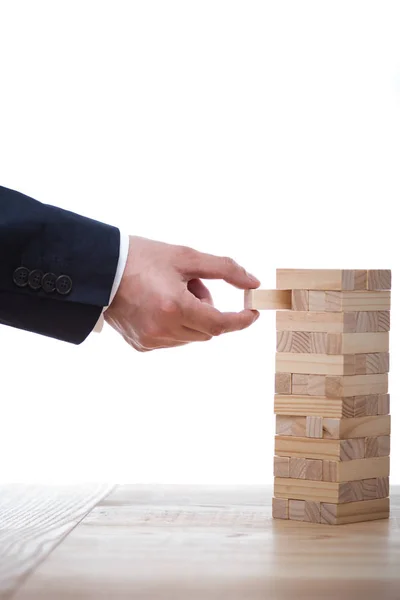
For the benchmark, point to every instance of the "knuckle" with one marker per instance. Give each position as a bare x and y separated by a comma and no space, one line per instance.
217,330
185,252
229,263
169,306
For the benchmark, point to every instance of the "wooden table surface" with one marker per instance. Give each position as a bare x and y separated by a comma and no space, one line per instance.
186,542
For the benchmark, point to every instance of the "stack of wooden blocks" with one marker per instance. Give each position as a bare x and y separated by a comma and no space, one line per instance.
332,440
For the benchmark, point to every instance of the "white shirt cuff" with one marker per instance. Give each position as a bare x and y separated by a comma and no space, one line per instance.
123,259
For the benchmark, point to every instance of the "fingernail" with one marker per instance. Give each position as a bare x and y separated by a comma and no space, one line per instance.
256,317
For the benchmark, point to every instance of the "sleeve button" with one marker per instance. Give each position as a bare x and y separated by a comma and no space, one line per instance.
49,283
64,285
35,279
20,276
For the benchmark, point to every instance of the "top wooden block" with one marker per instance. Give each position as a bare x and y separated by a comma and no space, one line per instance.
333,279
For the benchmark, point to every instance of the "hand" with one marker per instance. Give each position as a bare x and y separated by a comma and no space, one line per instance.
162,302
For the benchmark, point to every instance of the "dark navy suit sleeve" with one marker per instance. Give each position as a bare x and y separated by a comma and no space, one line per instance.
57,268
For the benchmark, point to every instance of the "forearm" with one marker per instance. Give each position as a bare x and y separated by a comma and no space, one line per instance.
79,257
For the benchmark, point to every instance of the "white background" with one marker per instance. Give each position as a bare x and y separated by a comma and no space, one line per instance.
268,131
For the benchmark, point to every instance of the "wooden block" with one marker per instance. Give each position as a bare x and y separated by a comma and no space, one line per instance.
321,279
369,321
357,343
305,468
268,299
360,405
300,300
312,512
301,489
355,512
371,363
314,448
316,322
348,301
283,383
316,364
317,406
330,470
371,405
353,491
379,279
383,404
313,469
352,449
297,510
359,427
289,425
355,385
354,470
383,487
281,466
314,427
327,491
377,446
301,342
297,469
280,508
304,384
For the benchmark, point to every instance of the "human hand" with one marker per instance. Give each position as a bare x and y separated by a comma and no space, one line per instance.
162,302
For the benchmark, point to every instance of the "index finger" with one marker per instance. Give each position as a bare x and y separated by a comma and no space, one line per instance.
207,266
207,319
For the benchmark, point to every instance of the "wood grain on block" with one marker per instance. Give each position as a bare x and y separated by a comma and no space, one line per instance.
349,301
300,300
268,299
357,343
377,446
369,321
379,279
305,468
281,466
280,508
372,363
321,279
305,384
352,449
314,469
355,385
289,425
330,470
316,364
314,448
383,404
359,427
316,322
297,510
312,512
297,468
354,470
301,342
371,405
314,427
283,383
355,512
383,487
317,406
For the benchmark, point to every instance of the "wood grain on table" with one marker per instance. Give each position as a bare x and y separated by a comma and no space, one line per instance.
215,543
33,520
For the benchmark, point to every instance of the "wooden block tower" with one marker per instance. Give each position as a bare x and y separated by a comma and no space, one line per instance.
332,441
